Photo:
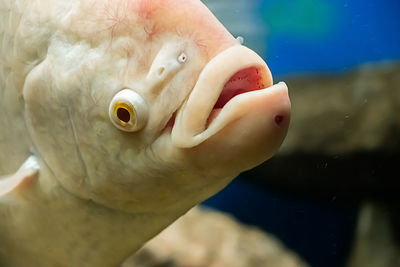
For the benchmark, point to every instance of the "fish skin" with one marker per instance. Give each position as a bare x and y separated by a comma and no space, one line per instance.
101,192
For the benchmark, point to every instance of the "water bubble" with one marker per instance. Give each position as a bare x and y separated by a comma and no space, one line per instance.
240,39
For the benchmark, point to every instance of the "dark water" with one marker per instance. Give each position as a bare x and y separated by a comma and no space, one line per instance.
320,232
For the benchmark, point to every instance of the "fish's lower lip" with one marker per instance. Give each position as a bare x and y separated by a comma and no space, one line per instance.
234,109
231,75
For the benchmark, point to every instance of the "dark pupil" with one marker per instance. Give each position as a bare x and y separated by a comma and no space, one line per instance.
123,115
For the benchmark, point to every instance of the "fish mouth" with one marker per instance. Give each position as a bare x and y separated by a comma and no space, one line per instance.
243,81
221,95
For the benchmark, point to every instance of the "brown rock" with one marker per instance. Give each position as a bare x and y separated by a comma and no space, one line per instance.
342,113
374,243
344,145
344,137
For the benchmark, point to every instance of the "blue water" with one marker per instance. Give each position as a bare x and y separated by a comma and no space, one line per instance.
334,35
313,36
320,233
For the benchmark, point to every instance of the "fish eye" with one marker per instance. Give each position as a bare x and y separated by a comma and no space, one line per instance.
124,112
128,111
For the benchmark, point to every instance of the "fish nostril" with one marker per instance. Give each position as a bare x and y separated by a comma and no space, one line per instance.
182,58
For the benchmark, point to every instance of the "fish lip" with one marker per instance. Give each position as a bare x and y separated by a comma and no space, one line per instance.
192,124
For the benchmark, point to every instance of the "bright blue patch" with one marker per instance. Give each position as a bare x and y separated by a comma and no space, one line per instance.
331,36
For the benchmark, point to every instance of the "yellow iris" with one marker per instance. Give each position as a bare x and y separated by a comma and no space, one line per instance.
124,112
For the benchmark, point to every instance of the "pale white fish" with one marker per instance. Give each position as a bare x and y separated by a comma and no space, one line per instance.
129,113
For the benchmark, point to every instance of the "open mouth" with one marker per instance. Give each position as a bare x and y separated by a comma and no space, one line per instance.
225,91
243,81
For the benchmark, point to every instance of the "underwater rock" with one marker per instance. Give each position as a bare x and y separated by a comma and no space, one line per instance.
342,113
375,244
343,148
206,238
344,136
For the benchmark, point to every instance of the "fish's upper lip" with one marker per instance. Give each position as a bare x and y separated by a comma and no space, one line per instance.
191,125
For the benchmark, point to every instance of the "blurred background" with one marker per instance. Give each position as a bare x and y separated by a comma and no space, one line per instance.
329,198
340,59
314,36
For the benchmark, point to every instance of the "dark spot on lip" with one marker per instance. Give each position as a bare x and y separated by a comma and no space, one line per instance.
279,119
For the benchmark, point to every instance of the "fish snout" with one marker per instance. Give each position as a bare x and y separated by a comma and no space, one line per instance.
169,60
235,86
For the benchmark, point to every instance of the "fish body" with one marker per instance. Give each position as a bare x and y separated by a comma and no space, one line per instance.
126,114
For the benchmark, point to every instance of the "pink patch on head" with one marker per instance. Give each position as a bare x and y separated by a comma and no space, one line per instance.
144,9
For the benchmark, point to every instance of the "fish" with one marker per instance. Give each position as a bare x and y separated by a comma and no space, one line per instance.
117,117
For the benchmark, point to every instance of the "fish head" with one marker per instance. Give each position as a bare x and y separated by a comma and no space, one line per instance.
143,106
